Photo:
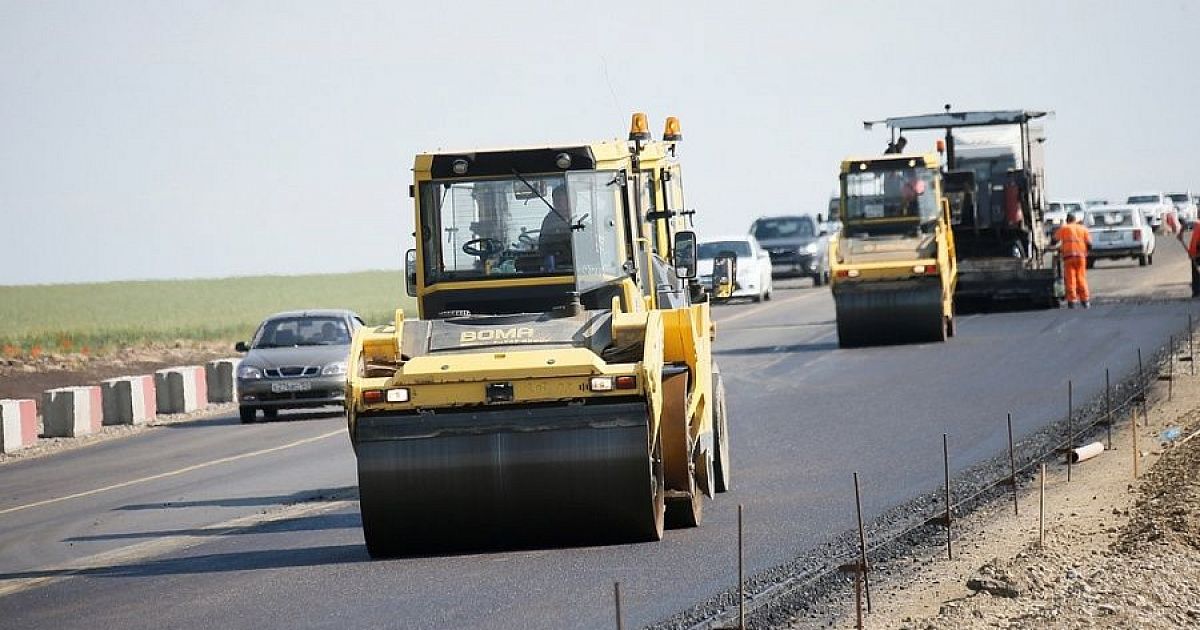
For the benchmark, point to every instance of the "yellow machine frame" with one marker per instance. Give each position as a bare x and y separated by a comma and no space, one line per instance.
679,419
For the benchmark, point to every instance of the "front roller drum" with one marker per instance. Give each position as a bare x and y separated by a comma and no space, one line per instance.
509,478
890,314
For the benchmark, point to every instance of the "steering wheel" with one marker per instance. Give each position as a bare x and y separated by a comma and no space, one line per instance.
527,239
483,247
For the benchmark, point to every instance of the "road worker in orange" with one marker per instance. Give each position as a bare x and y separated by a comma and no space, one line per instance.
1074,241
1193,249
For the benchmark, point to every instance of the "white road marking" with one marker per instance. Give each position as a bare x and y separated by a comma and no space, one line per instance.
172,473
161,546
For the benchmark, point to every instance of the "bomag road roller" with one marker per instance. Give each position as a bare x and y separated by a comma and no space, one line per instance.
558,386
893,265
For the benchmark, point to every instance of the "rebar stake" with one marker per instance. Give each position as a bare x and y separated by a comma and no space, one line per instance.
1136,455
1142,389
1108,421
862,543
1042,509
617,601
946,467
1070,433
741,574
1012,467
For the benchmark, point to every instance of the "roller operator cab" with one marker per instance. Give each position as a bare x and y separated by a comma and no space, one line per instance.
558,385
893,265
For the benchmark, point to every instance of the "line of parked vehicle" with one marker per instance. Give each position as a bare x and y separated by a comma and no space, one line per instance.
1126,231
787,246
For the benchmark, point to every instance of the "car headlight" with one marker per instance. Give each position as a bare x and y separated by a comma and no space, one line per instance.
334,369
811,248
248,372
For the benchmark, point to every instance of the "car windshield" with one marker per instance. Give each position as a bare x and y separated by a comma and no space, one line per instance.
1055,206
783,227
1073,207
528,225
890,193
711,250
1110,218
287,332
1179,198
1143,199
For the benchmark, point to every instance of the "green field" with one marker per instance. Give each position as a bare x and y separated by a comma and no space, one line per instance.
61,317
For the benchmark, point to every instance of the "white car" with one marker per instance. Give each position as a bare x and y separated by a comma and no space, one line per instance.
753,265
1057,212
1153,206
1119,232
1185,207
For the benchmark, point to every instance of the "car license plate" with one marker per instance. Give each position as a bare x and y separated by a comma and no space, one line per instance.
1110,236
290,386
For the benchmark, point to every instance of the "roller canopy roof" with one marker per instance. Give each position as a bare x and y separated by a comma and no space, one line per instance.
959,119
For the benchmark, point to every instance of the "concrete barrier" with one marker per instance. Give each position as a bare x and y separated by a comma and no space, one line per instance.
129,399
18,424
222,386
71,411
181,389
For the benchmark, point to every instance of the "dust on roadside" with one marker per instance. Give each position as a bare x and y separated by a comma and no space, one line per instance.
1118,553
28,377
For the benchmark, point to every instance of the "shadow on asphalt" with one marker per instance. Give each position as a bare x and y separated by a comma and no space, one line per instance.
319,522
304,496
283,416
821,346
214,563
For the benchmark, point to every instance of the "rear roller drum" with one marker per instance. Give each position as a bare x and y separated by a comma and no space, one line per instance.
875,316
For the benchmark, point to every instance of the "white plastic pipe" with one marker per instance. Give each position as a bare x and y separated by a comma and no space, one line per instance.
1086,452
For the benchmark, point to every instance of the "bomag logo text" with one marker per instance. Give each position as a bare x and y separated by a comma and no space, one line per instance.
502,335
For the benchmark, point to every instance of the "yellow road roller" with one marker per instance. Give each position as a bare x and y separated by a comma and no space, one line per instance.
558,385
892,264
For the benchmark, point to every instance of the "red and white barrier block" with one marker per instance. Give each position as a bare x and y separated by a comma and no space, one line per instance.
129,399
181,389
18,424
222,386
71,411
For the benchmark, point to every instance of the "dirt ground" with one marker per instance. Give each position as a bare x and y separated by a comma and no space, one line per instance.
1119,552
28,377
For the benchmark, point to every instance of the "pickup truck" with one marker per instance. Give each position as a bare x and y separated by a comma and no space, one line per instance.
1153,206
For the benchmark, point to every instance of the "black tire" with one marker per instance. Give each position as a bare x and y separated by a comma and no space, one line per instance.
1091,262
270,414
1150,258
757,298
247,414
951,326
817,278
722,467
767,296
1142,260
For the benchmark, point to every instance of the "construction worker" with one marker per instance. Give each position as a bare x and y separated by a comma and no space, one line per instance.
1193,249
1074,241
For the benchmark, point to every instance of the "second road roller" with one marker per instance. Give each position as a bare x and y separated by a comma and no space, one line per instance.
558,384
892,265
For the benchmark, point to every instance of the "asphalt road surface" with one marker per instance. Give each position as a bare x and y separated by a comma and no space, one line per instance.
215,524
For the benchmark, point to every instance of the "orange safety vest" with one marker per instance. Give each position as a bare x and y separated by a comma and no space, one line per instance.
1074,240
1195,243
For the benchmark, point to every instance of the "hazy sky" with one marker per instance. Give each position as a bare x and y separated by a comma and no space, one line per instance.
179,139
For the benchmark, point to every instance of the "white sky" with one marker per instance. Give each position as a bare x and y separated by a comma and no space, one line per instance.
182,139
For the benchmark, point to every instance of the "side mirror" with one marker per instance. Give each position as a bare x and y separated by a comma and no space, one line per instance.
684,254
724,273
410,272
241,347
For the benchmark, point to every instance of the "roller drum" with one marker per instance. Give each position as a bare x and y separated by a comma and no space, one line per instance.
890,313
507,477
